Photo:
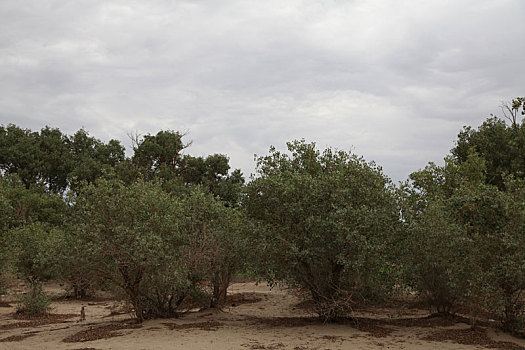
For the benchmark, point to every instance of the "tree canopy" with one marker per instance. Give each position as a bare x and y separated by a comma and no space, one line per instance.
502,146
327,218
54,160
163,226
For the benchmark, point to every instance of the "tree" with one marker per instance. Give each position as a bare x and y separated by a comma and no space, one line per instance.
159,155
155,247
327,221
6,220
509,271
34,250
439,257
53,160
30,227
74,264
128,233
20,154
216,244
497,220
33,204
465,239
212,173
91,158
33,253
500,145
512,110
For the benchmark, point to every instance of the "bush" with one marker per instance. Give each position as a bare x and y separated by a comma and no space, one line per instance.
155,247
326,225
501,248
35,302
35,245
74,268
440,259
465,240
126,233
164,290
437,262
215,243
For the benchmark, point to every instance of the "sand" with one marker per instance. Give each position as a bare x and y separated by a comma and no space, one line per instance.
257,318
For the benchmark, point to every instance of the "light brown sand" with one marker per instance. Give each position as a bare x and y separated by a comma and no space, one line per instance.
274,322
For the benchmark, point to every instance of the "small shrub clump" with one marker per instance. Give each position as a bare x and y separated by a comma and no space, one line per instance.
35,302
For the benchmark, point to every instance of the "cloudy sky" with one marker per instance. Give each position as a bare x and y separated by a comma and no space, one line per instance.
393,81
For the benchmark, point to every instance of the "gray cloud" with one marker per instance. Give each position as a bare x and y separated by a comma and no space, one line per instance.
394,81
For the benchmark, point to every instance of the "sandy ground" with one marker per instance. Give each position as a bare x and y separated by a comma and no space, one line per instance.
260,318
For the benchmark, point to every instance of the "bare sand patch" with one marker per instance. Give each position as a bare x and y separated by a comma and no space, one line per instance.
255,317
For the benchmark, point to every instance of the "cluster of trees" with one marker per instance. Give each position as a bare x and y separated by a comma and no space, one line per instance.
158,227
162,226
465,223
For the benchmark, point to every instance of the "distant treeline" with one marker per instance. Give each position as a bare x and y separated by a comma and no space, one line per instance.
57,162
164,229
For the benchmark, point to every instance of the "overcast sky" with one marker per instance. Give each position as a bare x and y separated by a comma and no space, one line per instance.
393,81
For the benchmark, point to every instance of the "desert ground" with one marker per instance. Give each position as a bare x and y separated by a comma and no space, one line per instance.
256,317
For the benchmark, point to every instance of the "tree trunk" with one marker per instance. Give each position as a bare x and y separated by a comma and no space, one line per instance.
221,283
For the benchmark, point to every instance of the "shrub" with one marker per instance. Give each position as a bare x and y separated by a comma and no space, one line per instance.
155,247
501,250
326,222
437,258
215,243
466,239
440,259
35,302
126,233
34,250
74,267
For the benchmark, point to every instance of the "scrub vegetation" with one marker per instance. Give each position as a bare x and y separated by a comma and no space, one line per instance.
162,229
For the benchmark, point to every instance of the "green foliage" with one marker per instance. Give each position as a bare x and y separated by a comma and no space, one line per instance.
495,217
35,302
90,158
40,167
127,233
501,240
73,264
439,257
53,160
177,226
212,172
29,229
215,242
33,204
34,248
20,154
157,248
437,260
327,220
6,218
465,239
159,155
501,146
164,289
213,248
